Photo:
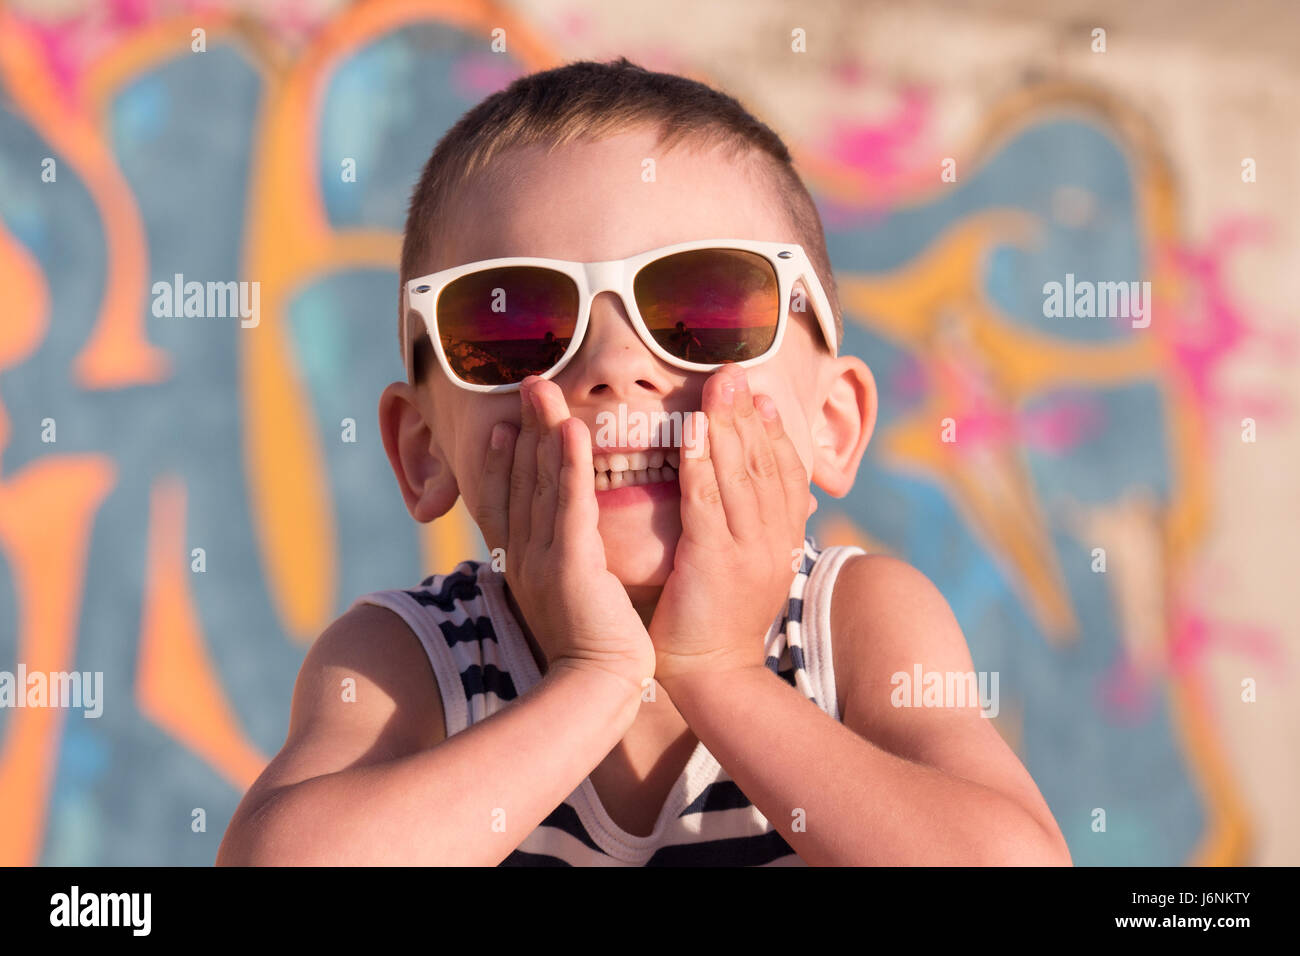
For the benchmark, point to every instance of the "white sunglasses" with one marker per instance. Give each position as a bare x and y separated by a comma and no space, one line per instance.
696,305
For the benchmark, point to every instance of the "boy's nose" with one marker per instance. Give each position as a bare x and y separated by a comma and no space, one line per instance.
613,361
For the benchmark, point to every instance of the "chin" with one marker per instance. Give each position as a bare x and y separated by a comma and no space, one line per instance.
643,562
640,542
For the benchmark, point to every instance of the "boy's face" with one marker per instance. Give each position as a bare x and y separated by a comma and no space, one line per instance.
587,202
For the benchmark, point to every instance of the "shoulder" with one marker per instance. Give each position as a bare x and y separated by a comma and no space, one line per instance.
886,617
390,709
890,623
367,667
880,592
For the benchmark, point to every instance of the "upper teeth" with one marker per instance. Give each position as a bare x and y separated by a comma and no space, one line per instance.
635,468
635,460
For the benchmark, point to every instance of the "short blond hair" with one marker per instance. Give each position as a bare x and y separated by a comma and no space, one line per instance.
593,100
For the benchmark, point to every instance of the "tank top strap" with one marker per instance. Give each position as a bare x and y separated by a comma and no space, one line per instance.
799,645
449,616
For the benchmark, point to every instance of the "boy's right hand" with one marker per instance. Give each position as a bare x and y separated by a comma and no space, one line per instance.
537,500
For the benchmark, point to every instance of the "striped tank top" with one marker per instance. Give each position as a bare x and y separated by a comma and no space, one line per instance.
482,662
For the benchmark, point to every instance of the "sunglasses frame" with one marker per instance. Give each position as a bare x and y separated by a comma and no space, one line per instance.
788,260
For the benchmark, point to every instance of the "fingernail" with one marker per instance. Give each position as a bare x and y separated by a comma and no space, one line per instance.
498,436
728,390
766,407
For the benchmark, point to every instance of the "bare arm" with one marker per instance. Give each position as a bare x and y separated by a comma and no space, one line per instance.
888,786
376,781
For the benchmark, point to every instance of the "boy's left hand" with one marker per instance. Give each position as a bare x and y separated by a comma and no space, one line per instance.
745,503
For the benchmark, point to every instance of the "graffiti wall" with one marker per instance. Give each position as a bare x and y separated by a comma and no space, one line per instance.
186,502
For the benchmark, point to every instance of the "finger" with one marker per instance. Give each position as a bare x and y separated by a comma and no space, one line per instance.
552,410
523,476
794,477
760,460
576,512
728,455
703,517
492,511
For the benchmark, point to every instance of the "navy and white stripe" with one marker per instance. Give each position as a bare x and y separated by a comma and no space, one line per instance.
482,662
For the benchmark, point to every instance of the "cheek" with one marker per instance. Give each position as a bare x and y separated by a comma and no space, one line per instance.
468,466
794,419
794,422
803,445
469,433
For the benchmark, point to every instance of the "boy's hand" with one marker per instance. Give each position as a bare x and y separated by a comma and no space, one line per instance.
537,499
745,503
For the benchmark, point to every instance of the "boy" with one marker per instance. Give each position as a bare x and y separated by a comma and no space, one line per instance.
609,697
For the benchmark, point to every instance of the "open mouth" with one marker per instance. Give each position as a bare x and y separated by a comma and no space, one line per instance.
623,469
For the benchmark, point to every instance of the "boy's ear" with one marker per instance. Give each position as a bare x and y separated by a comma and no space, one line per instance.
426,481
845,424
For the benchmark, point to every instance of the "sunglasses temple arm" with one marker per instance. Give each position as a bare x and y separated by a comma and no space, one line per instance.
822,306
406,333
408,347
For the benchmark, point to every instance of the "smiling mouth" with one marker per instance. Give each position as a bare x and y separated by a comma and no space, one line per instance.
621,469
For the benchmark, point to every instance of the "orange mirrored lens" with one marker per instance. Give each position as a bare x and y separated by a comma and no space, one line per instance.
499,326
710,305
